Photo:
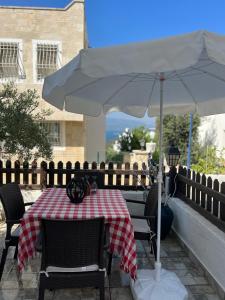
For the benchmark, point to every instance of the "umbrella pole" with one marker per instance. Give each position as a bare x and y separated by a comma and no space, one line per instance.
159,177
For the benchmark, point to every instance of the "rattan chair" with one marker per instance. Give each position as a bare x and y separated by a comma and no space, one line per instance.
14,208
145,223
143,220
72,255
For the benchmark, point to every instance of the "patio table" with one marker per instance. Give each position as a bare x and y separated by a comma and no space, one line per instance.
54,204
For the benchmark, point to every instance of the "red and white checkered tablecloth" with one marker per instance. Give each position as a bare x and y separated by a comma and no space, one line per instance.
54,204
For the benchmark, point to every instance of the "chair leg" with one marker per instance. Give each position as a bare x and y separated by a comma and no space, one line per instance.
16,252
109,264
41,293
154,246
3,259
102,293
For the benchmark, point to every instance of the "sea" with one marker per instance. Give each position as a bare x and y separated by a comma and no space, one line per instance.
112,135
116,126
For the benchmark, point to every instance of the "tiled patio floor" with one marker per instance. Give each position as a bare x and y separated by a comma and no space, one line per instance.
173,256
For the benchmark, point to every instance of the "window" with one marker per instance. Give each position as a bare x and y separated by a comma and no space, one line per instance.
53,132
47,58
11,67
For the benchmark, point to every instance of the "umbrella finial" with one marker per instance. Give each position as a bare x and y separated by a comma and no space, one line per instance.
161,76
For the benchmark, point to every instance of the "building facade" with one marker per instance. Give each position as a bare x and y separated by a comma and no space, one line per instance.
212,131
35,42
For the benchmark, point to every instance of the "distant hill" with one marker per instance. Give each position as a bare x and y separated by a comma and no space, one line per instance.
115,124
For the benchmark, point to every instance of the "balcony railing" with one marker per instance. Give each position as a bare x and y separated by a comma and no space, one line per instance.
203,194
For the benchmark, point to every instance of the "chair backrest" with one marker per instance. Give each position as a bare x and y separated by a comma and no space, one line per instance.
72,243
12,201
152,201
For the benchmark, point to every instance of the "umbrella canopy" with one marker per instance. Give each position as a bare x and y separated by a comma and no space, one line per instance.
175,75
126,78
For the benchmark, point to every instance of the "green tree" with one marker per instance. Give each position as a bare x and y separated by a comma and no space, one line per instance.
112,155
210,161
176,131
20,129
130,139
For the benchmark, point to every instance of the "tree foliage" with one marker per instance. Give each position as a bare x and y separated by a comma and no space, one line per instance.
210,161
20,129
112,155
131,139
176,131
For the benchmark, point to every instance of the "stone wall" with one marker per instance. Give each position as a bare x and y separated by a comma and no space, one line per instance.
139,156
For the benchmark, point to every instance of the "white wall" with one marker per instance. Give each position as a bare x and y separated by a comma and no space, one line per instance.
204,239
95,138
212,130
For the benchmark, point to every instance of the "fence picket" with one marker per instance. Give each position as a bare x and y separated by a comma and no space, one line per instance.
77,165
198,180
110,176
25,172
86,165
60,173
209,198
43,176
143,175
102,165
193,190
118,176
185,185
34,171
203,195
68,173
51,174
94,165
135,174
127,176
188,186
222,205
216,187
8,171
1,172
17,171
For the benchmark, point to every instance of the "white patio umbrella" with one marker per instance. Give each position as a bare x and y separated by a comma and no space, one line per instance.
175,75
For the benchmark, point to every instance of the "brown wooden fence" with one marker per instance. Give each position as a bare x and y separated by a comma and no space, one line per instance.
36,176
203,194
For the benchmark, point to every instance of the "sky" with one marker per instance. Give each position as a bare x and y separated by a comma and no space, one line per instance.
113,22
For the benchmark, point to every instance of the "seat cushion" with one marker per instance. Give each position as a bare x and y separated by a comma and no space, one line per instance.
74,270
140,225
135,209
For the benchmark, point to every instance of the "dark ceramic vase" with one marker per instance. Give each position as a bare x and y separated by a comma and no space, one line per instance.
75,190
166,220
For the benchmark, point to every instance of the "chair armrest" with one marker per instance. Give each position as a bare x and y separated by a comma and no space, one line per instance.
12,222
134,201
150,220
28,203
143,217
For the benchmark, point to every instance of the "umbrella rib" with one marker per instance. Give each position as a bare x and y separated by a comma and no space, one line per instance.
210,74
187,88
88,84
175,73
151,92
84,86
121,88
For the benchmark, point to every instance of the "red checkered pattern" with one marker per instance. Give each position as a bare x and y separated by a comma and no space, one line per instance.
54,204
